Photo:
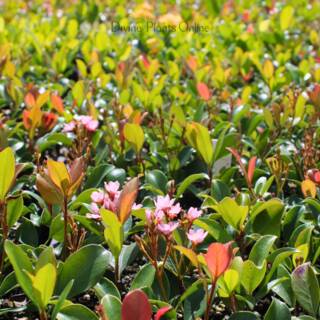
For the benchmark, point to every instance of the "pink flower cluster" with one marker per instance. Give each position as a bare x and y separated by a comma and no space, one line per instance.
87,122
166,210
107,199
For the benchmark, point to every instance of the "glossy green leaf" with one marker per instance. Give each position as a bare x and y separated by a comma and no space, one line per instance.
111,306
232,213
21,264
252,275
144,277
76,312
306,288
277,310
90,263
188,181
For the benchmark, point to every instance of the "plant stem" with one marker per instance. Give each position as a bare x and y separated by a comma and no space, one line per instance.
5,232
160,281
233,302
210,299
116,270
65,218
43,315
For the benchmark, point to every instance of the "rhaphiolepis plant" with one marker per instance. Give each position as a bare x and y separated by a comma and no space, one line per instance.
57,183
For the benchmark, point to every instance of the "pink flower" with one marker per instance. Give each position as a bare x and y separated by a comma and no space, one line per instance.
136,206
174,211
112,188
88,122
164,203
158,216
94,208
97,196
196,236
93,216
149,216
193,214
68,127
92,125
154,217
167,228
110,204
84,119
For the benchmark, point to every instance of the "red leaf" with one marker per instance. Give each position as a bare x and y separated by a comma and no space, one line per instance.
251,167
192,63
57,103
29,100
136,306
26,119
203,91
161,312
145,61
49,120
236,154
127,198
218,258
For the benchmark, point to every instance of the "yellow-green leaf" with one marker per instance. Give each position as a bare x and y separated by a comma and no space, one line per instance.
59,174
190,254
268,69
199,138
228,282
232,213
113,231
133,133
286,17
7,171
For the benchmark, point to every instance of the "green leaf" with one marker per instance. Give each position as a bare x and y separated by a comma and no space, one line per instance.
86,267
188,181
7,171
14,210
199,138
76,312
252,275
214,229
111,307
277,310
8,283
62,298
20,263
306,288
261,249
286,17
127,256
228,283
133,133
232,213
219,190
113,232
144,277
244,315
266,217
157,179
276,257
106,286
78,92
44,278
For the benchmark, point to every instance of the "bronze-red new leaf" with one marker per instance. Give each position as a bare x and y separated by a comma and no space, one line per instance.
127,198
